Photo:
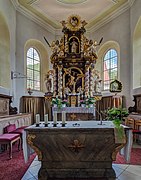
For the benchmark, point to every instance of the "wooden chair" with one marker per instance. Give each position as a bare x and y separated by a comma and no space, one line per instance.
135,125
130,122
9,139
137,130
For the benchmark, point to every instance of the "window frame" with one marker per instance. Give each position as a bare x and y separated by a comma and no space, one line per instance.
33,70
109,59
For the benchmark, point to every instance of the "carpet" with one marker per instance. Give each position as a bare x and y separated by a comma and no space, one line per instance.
135,157
15,168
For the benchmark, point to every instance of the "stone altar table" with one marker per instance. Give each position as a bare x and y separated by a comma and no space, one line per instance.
82,149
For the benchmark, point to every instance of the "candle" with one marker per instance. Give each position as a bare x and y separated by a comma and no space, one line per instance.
55,117
37,118
46,118
63,117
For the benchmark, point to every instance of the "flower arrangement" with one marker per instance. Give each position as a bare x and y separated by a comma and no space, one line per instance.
90,101
57,101
82,101
116,115
65,102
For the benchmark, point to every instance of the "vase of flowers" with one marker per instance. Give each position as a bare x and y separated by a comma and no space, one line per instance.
82,103
90,102
56,102
64,102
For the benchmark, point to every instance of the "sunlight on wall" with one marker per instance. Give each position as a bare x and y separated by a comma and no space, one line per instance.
4,54
43,57
137,55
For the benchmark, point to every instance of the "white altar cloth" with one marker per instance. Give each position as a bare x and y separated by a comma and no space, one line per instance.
75,110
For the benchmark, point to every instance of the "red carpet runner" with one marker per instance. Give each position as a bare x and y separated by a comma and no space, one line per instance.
135,157
15,168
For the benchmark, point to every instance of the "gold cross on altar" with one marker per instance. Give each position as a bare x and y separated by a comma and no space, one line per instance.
73,117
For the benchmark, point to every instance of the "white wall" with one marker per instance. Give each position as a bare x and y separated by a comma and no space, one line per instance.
118,30
135,14
9,13
26,30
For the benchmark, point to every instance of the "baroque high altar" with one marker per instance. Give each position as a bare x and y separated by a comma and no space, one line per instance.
74,76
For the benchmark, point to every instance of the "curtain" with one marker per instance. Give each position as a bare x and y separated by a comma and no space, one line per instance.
34,105
107,103
47,107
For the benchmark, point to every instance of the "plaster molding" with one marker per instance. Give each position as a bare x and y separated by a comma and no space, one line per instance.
111,16
32,16
56,31
131,2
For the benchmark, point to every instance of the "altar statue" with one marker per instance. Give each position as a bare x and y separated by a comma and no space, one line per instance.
74,46
55,47
48,83
97,82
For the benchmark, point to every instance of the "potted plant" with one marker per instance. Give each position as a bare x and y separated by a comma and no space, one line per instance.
90,102
116,115
64,102
57,102
82,103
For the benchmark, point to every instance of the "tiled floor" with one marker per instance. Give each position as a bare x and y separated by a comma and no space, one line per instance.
123,172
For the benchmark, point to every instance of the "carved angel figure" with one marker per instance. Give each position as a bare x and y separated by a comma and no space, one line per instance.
48,83
55,47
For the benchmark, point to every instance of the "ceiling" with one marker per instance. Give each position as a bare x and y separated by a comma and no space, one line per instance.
51,12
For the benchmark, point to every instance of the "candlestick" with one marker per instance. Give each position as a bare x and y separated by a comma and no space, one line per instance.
37,118
55,118
63,117
46,120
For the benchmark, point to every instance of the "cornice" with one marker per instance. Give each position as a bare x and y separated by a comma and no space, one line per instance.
32,16
55,31
111,16
131,2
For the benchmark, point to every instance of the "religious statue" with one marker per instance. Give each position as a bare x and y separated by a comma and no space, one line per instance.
90,49
97,82
55,47
48,83
74,21
71,81
74,46
98,86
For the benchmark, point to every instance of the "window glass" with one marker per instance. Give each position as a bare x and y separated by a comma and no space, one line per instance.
110,70
33,69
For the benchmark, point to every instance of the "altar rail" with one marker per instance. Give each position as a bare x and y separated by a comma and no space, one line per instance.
19,120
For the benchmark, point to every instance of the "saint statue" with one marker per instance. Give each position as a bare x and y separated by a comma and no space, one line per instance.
48,83
74,46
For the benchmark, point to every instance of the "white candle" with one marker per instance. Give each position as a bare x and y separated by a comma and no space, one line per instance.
55,117
63,117
46,118
37,118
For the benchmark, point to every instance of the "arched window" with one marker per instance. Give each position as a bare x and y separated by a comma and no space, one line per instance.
110,68
33,69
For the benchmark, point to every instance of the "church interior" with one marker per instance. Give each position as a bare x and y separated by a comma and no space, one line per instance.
70,85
